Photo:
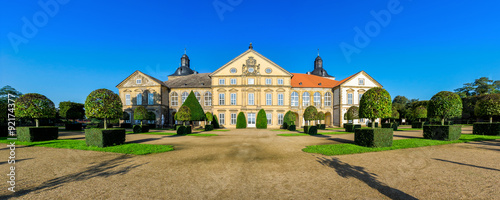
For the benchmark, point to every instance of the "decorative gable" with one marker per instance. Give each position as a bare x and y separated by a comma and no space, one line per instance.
250,63
139,79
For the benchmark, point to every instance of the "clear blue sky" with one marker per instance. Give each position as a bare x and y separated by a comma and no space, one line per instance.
427,46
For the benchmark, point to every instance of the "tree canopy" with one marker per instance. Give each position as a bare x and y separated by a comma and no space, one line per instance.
103,104
71,110
125,116
197,113
184,114
34,106
375,103
310,113
320,116
209,117
488,106
445,105
352,113
480,86
291,118
420,112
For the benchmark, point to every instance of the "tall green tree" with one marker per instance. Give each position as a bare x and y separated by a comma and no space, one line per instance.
103,104
310,114
352,113
445,105
480,86
375,103
140,113
420,113
34,106
488,106
6,90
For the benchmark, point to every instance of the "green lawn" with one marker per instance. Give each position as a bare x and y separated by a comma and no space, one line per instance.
343,149
223,130
164,133
334,128
319,133
128,148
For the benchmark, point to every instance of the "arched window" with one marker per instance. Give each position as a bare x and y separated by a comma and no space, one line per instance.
295,99
317,99
305,99
208,99
184,96
198,97
328,99
174,99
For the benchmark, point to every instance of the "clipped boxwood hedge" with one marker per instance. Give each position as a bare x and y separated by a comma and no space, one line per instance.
321,126
292,127
442,132
4,132
209,127
71,127
104,137
417,124
394,126
141,129
32,134
485,128
350,127
373,137
311,130
182,130
370,124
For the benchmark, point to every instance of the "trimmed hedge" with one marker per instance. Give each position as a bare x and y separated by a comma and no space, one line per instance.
4,132
71,127
32,134
261,122
125,125
141,129
183,130
486,128
442,132
370,124
104,137
241,121
373,137
311,130
209,127
351,127
417,124
321,126
292,128
394,126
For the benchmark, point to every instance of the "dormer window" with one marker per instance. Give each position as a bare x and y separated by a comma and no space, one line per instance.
361,81
138,81
300,83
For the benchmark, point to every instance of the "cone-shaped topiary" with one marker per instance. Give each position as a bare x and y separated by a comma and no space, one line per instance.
241,121
34,106
420,113
375,103
488,106
310,113
261,119
445,105
215,122
140,113
184,115
193,104
103,104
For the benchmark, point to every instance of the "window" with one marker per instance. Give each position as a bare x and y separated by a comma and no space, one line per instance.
151,98
317,99
295,99
127,99
359,100
251,81
221,119
175,98
233,98
305,99
138,81
184,96
250,99
233,81
361,81
222,81
208,99
269,118
280,99
349,98
268,70
198,97
280,118
233,118
328,99
280,81
139,99
269,81
233,71
222,100
269,99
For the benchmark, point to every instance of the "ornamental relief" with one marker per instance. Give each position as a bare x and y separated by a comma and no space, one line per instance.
251,67
132,82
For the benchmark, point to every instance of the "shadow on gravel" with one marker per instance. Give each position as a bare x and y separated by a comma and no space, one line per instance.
346,170
106,168
405,136
342,140
458,163
17,160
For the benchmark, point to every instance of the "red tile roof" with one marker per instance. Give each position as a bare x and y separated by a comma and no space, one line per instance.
312,81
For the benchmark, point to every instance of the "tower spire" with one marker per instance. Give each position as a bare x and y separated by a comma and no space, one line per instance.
250,47
318,51
184,50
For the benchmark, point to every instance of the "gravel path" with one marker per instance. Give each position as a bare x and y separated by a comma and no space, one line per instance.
256,164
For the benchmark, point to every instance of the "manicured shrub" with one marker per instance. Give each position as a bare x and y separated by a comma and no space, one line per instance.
72,127
286,122
140,113
349,127
291,118
484,128
216,122
488,106
375,103
371,124
417,124
33,134
442,132
71,110
352,113
292,128
104,137
445,105
311,130
241,121
420,113
125,116
182,130
321,126
261,122
373,137
183,115
195,108
141,128
394,126
310,114
321,116
209,118
209,127
103,104
34,106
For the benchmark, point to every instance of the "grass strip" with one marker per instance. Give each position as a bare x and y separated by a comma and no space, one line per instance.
344,149
319,133
127,148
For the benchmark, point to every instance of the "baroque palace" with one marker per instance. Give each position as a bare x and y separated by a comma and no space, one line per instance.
247,83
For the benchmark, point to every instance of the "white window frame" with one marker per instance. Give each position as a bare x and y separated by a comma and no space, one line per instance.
251,81
233,98
361,81
306,99
138,81
208,99
174,99
151,98
349,98
184,96
127,99
251,99
233,118
222,81
138,99
269,99
233,81
222,99
280,118
328,99
280,99
269,117
295,99
221,118
317,99
269,81
280,81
